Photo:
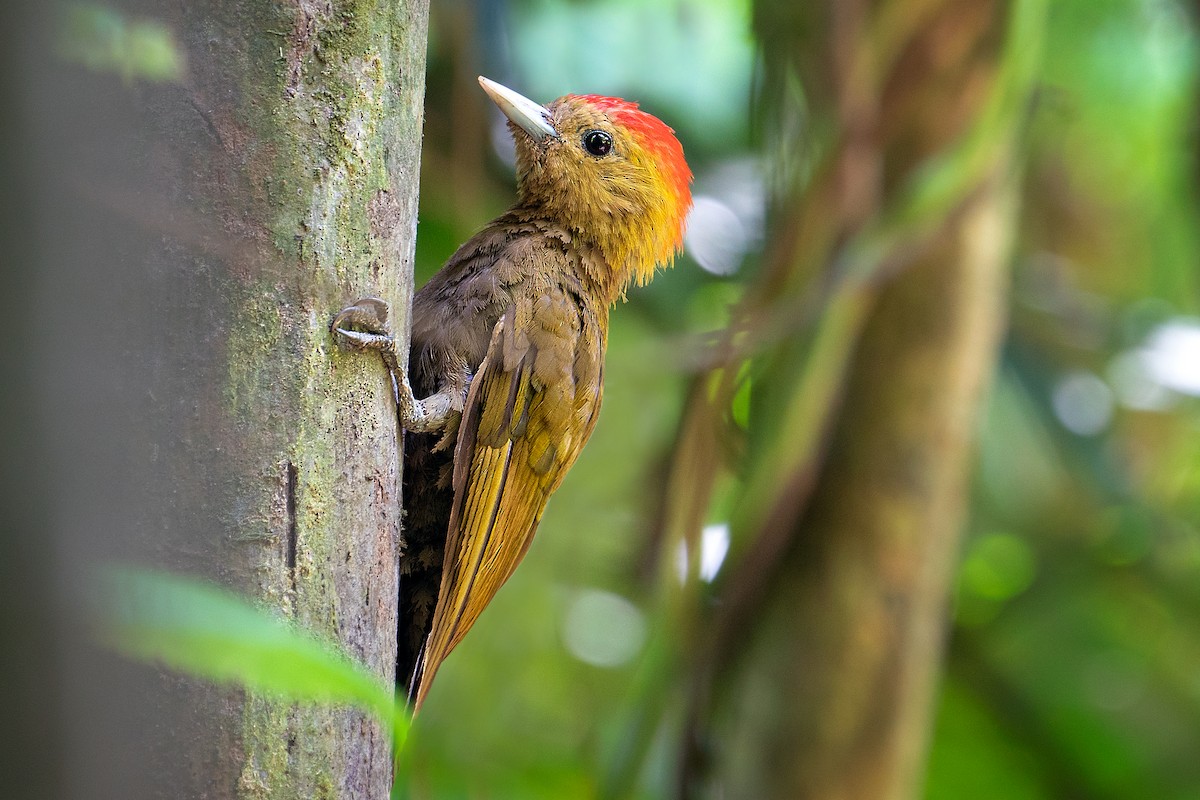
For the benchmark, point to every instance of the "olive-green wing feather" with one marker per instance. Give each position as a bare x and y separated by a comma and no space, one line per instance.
531,406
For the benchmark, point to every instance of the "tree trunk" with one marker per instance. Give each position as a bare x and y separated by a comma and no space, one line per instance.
193,237
831,694
838,681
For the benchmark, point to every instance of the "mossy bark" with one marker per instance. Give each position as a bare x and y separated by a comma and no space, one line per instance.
320,129
217,223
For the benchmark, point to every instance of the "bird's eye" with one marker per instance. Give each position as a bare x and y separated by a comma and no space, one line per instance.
598,143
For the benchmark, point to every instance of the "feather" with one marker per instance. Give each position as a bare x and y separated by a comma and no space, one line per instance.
515,327
516,440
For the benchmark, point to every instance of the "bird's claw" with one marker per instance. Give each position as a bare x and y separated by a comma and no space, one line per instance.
369,315
365,341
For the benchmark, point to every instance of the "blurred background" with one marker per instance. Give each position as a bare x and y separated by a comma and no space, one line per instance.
896,487
1072,663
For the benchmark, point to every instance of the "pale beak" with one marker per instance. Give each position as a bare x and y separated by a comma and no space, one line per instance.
524,113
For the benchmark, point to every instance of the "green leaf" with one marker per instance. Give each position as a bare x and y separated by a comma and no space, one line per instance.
104,39
200,630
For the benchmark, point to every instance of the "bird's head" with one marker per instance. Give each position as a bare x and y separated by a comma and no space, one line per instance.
611,173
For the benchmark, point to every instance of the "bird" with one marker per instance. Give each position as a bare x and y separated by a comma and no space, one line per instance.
504,377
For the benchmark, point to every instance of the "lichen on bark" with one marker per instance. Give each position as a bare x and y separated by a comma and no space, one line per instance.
315,115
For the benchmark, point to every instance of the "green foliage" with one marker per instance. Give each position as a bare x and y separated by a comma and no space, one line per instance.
980,758
623,47
1071,662
104,39
1077,601
206,632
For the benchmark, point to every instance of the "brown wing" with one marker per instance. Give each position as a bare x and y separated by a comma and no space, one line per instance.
531,406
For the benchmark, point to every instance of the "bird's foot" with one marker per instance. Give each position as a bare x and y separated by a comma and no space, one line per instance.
363,326
369,316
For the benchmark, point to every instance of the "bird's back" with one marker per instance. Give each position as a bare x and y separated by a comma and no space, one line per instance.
518,261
